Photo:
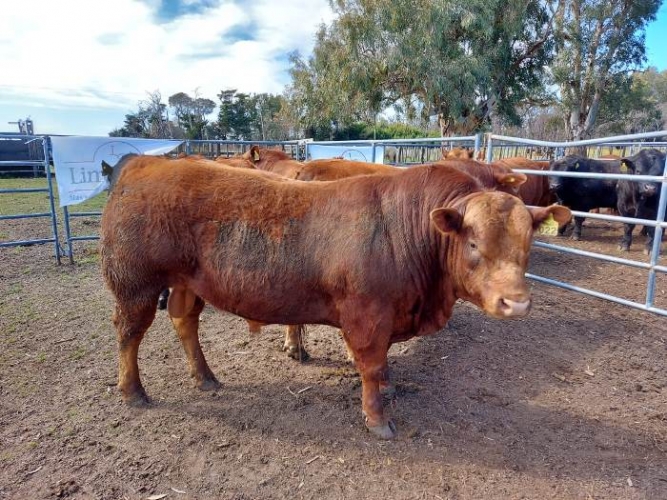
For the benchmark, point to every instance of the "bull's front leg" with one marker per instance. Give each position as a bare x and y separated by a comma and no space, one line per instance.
650,232
626,241
371,361
576,233
387,389
187,328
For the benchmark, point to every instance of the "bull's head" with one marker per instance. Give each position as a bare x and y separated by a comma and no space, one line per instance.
489,239
646,162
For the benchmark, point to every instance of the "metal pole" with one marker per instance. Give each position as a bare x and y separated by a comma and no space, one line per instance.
478,144
489,149
657,240
54,222
68,235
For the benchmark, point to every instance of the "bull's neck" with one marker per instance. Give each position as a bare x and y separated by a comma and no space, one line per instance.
429,256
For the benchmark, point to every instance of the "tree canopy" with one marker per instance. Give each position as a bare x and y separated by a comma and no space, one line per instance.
559,68
597,43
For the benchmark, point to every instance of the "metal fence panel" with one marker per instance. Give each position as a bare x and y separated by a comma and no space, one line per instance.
37,167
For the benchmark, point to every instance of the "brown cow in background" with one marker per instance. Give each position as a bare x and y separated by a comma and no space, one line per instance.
273,160
458,154
337,168
382,257
535,191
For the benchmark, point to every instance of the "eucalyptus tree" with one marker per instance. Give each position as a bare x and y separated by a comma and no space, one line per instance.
598,42
468,62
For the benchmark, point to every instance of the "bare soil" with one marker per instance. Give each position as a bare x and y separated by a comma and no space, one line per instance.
569,403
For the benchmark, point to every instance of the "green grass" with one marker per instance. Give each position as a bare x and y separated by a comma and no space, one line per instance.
79,353
27,203
22,203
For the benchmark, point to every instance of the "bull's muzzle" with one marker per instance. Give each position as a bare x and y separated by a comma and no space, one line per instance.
512,308
649,189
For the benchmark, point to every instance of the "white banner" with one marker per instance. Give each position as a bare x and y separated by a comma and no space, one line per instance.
356,153
78,162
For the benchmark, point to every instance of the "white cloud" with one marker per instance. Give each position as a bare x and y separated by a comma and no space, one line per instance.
101,54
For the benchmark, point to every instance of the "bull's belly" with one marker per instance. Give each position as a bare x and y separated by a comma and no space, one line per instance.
265,301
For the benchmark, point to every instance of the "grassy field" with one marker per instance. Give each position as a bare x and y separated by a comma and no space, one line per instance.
38,228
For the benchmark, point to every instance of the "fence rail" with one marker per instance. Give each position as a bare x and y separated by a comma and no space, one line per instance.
51,214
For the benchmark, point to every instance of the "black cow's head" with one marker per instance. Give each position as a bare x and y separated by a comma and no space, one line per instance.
567,164
646,162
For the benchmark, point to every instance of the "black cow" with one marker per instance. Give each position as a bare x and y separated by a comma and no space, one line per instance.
584,194
640,199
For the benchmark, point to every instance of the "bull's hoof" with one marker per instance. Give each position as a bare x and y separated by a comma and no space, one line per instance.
647,251
385,431
388,390
209,384
137,399
623,247
294,352
576,237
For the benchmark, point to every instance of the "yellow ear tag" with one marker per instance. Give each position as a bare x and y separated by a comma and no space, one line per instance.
624,168
576,166
548,227
255,155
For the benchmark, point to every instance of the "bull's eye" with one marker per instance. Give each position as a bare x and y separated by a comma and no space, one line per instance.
473,246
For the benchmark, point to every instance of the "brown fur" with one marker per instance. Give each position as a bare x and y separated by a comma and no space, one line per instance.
336,168
458,153
273,160
535,191
494,176
383,257
235,161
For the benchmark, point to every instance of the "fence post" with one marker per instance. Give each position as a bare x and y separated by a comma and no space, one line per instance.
489,149
657,240
478,145
49,179
68,235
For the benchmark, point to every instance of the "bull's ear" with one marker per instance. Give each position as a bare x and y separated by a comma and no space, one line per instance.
627,166
252,154
510,179
446,220
107,170
559,214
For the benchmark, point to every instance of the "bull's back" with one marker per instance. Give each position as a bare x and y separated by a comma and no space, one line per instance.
230,234
334,169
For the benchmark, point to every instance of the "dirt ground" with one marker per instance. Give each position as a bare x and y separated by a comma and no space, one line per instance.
569,403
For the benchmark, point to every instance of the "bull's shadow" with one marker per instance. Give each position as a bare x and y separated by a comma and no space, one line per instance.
491,393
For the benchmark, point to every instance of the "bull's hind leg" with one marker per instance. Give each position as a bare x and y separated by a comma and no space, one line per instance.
132,319
294,343
187,328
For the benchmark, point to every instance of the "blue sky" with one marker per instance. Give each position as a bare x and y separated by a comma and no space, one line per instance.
78,67
656,40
